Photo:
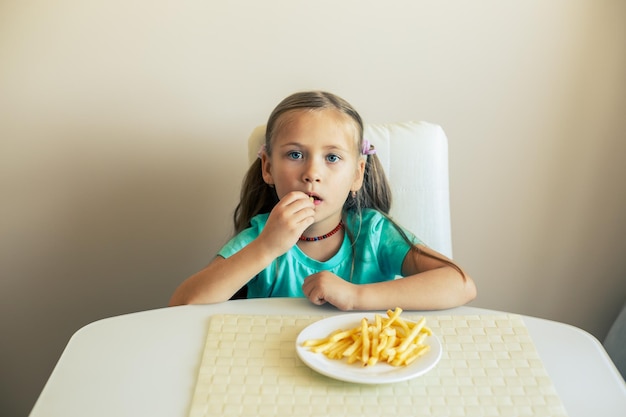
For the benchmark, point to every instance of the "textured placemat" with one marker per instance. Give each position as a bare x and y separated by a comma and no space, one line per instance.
489,367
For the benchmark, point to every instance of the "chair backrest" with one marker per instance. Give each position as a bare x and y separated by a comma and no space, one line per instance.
415,158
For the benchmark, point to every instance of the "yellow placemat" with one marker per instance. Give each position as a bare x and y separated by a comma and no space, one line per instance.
489,367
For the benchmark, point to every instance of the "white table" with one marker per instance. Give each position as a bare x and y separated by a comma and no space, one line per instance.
145,364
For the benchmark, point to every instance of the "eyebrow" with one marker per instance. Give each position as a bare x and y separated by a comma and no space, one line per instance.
300,145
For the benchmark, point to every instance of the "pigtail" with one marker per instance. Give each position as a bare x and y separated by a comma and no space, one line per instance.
256,197
376,194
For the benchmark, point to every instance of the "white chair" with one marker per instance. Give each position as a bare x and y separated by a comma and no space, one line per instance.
415,158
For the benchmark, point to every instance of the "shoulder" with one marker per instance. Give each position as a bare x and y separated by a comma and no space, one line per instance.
374,216
374,223
368,219
241,239
366,225
258,222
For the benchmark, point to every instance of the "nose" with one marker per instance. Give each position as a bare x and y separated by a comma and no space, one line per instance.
311,172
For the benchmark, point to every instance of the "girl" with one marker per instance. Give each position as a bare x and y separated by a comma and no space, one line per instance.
313,221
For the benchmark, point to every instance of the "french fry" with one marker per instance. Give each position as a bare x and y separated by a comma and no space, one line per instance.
412,335
342,335
365,352
416,354
323,347
374,348
403,325
317,342
356,344
356,354
384,338
379,322
388,339
336,352
393,315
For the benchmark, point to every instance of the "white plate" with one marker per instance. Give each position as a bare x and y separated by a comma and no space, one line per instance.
381,373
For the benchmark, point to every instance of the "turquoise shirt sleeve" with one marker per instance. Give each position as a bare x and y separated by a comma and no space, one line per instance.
243,238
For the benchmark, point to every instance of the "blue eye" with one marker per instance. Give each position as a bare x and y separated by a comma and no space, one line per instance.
295,155
333,158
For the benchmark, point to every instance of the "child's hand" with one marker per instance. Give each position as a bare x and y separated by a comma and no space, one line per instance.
326,287
287,221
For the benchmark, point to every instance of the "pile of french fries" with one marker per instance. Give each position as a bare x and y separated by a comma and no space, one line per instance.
389,339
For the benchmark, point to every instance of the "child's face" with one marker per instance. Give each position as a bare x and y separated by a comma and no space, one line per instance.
316,152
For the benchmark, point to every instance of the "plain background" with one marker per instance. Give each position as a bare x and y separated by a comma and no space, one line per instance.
123,128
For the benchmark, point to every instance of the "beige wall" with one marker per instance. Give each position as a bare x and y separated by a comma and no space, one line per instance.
123,128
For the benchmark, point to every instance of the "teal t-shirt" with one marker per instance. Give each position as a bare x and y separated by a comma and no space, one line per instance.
379,249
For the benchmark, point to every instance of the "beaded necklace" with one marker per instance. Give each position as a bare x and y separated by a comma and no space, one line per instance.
322,237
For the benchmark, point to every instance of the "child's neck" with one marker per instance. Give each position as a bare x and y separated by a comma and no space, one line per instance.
322,250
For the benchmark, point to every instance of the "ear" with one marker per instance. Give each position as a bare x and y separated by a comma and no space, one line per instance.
360,173
266,170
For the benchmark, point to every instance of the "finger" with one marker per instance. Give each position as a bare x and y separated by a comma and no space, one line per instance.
312,292
296,214
307,286
316,299
295,196
297,205
299,208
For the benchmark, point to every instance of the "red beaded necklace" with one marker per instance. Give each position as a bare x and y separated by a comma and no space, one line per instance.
322,237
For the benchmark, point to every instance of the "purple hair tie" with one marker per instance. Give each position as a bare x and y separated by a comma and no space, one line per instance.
365,150
261,150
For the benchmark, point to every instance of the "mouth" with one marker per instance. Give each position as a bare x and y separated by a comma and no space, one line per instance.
315,198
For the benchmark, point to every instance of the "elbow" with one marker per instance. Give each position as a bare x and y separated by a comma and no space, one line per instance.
469,289
177,301
181,298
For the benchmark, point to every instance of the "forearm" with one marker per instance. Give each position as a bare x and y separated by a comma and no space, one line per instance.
223,277
435,289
